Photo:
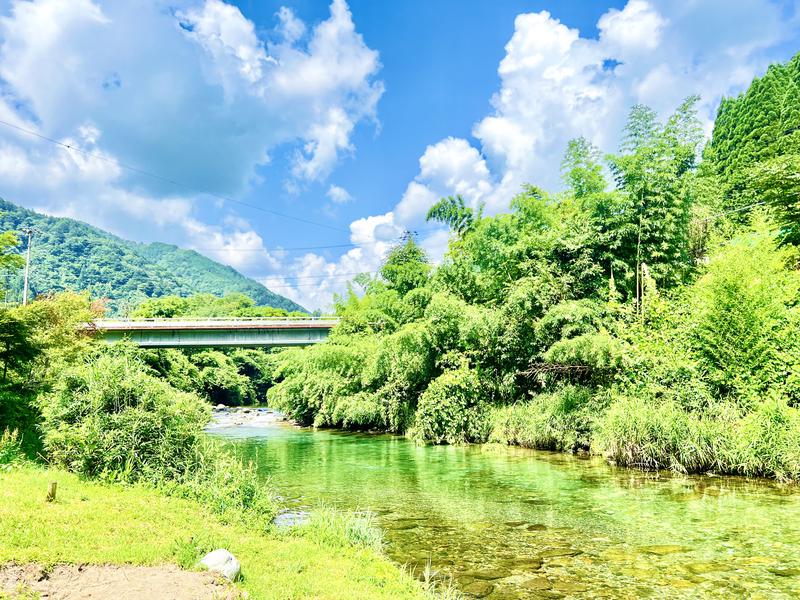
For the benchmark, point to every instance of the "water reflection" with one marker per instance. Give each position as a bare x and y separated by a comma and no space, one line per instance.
514,523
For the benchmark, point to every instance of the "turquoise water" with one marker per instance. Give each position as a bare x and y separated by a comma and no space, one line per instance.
514,523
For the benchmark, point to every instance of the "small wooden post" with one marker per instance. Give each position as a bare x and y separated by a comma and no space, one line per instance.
51,491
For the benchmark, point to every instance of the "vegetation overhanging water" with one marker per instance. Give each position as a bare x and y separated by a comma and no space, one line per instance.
516,523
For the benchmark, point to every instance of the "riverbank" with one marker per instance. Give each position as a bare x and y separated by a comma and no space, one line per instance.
97,524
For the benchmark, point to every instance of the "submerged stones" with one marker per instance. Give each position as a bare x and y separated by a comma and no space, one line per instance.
664,549
536,583
403,524
526,563
700,568
515,524
557,552
785,572
478,588
569,587
489,574
291,518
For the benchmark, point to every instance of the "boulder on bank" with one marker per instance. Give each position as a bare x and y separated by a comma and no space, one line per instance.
223,562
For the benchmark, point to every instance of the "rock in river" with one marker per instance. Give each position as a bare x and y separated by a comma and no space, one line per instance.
478,589
536,583
488,574
664,549
785,572
558,552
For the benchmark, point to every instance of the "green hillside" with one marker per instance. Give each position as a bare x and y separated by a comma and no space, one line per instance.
70,255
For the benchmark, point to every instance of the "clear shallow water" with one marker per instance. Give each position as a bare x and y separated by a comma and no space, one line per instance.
515,523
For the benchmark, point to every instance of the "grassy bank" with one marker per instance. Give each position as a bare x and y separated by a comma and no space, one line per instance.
92,523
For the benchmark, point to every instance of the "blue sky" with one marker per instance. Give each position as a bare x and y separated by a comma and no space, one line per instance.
356,116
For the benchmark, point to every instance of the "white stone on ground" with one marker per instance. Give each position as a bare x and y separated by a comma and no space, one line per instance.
222,561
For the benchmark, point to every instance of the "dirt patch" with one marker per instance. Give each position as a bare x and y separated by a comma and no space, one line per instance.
70,582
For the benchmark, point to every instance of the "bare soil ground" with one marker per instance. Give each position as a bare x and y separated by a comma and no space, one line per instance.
71,582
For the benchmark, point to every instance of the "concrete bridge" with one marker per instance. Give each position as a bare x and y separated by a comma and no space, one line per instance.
210,332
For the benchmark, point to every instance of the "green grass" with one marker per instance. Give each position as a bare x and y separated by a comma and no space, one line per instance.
93,523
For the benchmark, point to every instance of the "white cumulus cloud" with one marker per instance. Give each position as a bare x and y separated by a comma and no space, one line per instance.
338,195
557,83
191,93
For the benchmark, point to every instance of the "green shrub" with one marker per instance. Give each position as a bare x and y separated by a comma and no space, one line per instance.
361,411
453,410
10,448
444,316
19,412
740,307
766,442
311,382
337,529
111,418
398,371
594,357
570,319
221,381
225,485
561,420
640,433
175,367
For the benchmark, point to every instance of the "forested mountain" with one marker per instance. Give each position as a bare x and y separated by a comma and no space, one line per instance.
70,255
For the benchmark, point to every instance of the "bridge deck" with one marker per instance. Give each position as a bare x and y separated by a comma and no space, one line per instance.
210,332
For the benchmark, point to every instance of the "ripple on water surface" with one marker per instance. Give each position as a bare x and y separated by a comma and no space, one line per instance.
514,523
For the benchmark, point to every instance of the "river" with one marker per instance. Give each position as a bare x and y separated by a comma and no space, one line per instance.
515,523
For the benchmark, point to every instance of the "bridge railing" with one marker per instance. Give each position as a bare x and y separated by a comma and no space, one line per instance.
214,322
175,319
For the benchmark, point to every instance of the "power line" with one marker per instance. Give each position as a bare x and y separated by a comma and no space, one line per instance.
186,186
167,179
296,248
273,286
331,276
397,240
734,210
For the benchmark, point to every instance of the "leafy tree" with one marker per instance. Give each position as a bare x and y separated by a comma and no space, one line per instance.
760,125
581,169
653,177
453,212
166,307
740,307
641,129
9,260
406,267
206,305
777,182
17,348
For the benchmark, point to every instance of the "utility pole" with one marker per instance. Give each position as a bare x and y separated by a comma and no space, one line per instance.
29,231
